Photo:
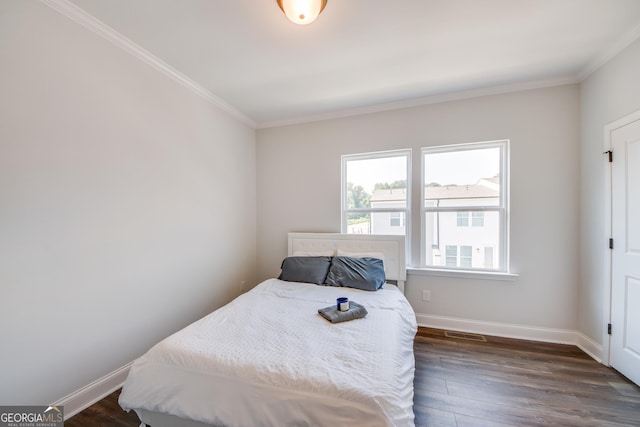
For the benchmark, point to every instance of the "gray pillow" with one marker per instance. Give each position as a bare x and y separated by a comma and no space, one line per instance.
308,269
360,273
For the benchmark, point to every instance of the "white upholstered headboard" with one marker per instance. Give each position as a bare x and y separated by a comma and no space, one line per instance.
391,246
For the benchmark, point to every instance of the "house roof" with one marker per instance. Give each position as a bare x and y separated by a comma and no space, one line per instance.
485,188
474,191
392,195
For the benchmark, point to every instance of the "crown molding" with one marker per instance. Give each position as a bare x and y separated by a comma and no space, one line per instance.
93,24
426,100
88,21
608,54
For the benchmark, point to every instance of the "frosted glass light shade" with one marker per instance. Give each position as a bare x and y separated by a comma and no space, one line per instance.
302,12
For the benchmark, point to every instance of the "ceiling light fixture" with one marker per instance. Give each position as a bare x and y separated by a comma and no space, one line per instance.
302,12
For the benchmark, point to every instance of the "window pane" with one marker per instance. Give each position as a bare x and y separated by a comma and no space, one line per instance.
381,223
462,177
377,185
359,223
377,182
375,223
479,246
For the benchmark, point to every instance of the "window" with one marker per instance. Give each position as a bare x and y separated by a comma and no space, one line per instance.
452,256
464,211
374,193
452,259
396,219
463,199
465,256
463,219
477,219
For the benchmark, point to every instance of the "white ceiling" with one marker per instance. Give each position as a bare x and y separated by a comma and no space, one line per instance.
364,53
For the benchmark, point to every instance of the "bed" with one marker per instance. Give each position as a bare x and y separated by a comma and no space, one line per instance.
269,359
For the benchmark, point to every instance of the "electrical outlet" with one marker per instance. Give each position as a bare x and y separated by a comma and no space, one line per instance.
426,295
242,285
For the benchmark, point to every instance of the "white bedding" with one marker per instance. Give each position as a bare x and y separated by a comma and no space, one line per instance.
269,359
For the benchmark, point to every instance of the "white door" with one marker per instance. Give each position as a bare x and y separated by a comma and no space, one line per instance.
625,261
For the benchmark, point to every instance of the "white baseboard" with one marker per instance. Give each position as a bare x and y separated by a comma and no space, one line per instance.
589,346
507,330
94,392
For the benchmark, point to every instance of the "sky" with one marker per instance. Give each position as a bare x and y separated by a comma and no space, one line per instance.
369,172
462,167
443,168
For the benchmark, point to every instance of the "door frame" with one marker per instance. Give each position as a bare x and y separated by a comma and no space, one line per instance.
608,225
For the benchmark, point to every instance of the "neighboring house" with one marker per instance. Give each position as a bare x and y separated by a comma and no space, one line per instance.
464,239
388,222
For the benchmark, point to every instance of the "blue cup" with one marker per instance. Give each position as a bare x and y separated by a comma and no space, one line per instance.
342,304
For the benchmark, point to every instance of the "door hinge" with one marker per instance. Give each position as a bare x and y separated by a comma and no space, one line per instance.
609,328
610,153
610,243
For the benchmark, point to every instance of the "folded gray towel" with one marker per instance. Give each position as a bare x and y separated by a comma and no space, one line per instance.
333,315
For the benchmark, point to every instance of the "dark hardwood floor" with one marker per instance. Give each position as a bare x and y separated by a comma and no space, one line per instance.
105,413
506,382
498,383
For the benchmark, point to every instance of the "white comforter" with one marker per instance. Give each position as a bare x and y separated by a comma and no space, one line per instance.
269,359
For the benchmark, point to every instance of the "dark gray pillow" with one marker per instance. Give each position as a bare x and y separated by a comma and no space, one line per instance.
308,269
360,273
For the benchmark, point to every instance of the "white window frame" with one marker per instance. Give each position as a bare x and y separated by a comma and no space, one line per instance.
406,210
502,208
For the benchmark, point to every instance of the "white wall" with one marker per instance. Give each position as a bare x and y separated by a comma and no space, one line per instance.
127,205
299,190
610,93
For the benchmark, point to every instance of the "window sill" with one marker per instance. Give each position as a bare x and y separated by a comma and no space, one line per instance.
465,274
